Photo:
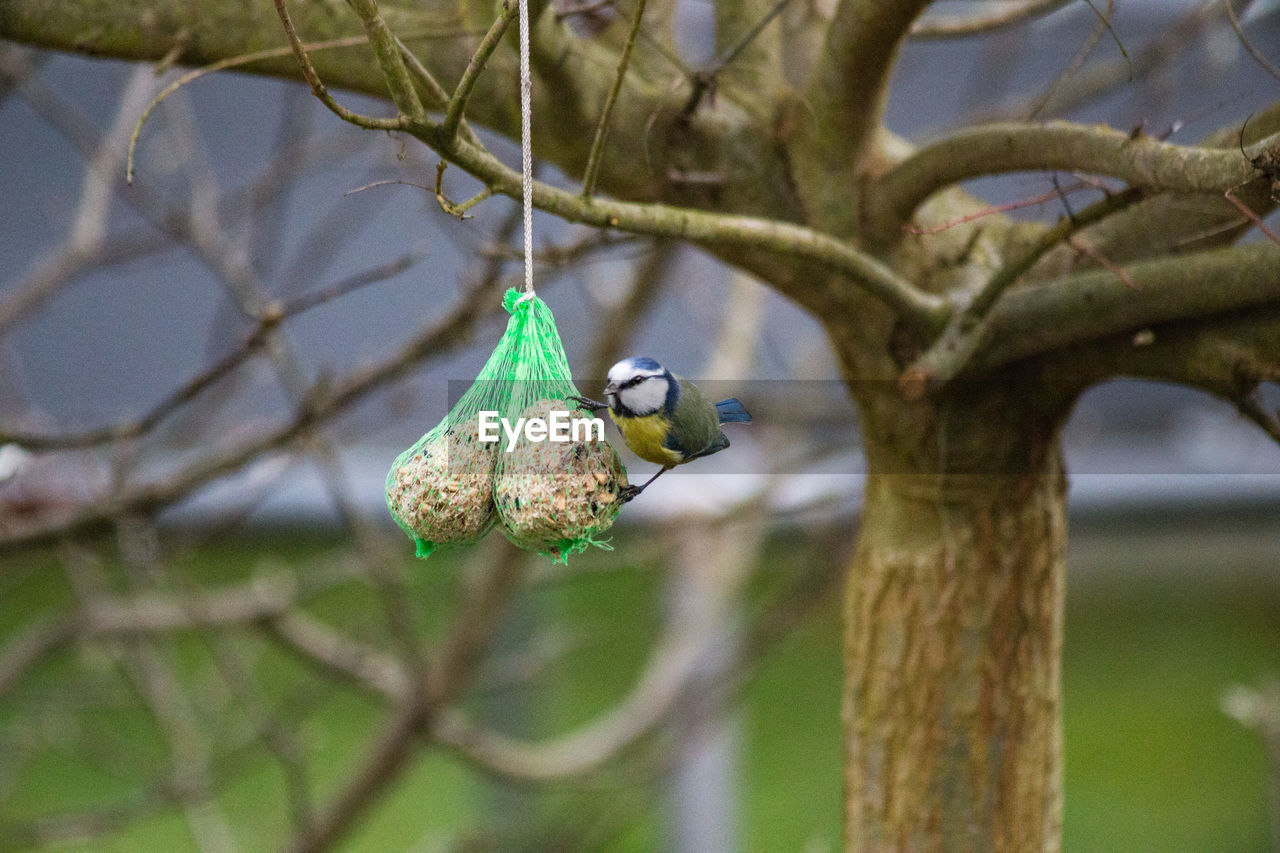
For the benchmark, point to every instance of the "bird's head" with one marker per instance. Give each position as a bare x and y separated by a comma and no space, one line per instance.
639,387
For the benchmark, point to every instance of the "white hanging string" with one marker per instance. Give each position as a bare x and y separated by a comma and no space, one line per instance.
526,147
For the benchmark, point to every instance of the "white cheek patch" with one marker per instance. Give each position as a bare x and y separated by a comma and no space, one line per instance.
646,398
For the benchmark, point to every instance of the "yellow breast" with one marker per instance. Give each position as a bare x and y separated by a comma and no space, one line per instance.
645,436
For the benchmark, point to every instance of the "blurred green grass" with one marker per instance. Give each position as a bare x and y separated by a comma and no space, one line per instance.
1151,762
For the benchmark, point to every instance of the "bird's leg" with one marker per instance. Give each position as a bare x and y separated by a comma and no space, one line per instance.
587,403
630,493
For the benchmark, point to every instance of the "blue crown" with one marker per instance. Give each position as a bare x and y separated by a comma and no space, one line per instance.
644,363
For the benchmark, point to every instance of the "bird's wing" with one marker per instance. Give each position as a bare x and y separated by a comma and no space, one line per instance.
698,422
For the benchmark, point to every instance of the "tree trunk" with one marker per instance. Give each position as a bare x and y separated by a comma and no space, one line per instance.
953,634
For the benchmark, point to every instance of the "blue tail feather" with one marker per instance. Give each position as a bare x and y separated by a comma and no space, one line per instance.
732,411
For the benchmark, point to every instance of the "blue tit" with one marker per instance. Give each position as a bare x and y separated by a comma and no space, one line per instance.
663,418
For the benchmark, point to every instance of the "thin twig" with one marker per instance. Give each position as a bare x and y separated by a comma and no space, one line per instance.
704,80
268,320
735,50
969,328
249,293
161,690
563,254
916,307
140,544
434,90
715,564
389,182
222,65
457,104
1248,45
350,284
324,401
338,655
49,275
1103,76
391,751
606,113
943,27
1077,61
1105,17
386,51
583,9
309,73
1011,272
275,736
1056,192
1101,260
449,207
1253,216
143,614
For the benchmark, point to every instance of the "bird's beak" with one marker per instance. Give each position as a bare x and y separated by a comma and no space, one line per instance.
611,389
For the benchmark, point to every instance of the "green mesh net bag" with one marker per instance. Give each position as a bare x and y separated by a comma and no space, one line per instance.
551,496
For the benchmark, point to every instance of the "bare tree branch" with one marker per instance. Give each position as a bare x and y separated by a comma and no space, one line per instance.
458,100
162,693
1081,56
968,329
847,93
770,180
653,697
392,750
1105,76
276,737
916,308
1011,147
340,655
145,614
1008,15
269,320
67,262
326,401
747,56
1174,222
322,92
564,63
913,305
1248,45
1042,317
718,563
387,51
592,171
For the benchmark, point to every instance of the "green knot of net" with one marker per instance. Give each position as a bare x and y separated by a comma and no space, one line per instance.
553,497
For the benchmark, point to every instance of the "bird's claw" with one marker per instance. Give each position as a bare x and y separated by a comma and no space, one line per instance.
628,493
587,403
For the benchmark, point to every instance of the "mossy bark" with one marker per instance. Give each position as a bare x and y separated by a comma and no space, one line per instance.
953,638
